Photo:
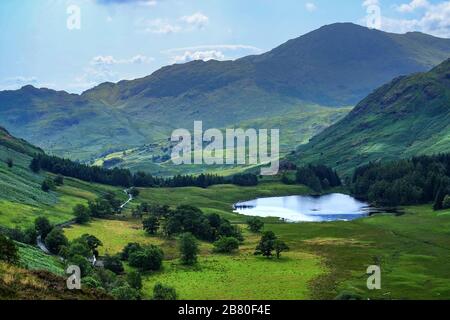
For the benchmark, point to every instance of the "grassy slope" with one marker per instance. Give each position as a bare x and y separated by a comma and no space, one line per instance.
407,117
22,200
20,284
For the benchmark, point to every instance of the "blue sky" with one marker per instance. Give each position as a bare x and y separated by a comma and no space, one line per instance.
126,39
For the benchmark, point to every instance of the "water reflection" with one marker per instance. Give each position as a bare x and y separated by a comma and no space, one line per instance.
331,207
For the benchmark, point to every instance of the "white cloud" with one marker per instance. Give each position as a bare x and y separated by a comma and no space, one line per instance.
311,7
110,60
433,19
413,5
199,55
198,20
160,26
232,47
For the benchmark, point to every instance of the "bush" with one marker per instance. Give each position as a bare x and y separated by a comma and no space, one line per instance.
9,162
47,185
226,245
114,264
80,261
129,249
8,250
446,202
42,226
134,192
82,214
58,180
125,292
147,259
134,279
161,292
151,224
255,225
189,249
55,240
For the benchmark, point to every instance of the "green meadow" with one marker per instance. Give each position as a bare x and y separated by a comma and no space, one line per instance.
325,259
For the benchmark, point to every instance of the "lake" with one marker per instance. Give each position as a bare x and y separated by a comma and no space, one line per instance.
331,207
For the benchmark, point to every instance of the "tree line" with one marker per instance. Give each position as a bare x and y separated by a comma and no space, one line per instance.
124,177
422,179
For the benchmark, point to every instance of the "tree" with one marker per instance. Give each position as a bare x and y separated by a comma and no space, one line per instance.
8,250
255,225
9,162
279,247
189,249
82,214
35,165
151,224
100,208
114,264
47,185
129,249
55,240
93,243
58,180
446,202
161,292
43,226
438,202
134,192
134,279
147,259
80,261
245,180
226,245
266,244
126,293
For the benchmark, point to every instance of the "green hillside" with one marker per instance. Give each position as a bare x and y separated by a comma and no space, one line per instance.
21,196
407,117
334,66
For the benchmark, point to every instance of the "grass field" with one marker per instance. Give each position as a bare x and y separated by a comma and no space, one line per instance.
325,258
33,258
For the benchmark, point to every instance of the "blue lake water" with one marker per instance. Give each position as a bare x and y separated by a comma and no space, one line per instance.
331,207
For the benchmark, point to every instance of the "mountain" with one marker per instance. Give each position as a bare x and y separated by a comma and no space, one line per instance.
407,117
295,87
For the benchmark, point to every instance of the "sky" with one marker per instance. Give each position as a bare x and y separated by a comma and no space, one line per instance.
73,45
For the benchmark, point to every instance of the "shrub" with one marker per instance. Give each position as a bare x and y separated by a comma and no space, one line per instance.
226,245
58,180
125,292
9,162
446,202
255,225
55,240
151,224
134,192
134,279
189,249
82,214
161,292
129,249
80,261
147,259
47,185
42,226
8,250
114,264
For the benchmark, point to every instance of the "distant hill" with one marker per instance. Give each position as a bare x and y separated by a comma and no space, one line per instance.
406,117
296,87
